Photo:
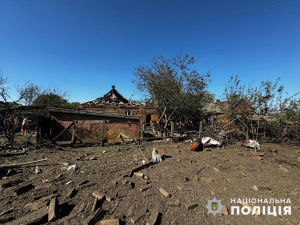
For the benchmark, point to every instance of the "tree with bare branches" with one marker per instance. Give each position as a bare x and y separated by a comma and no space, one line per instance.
13,111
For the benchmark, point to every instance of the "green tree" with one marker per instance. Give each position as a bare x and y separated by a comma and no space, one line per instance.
50,100
246,101
71,105
173,86
53,100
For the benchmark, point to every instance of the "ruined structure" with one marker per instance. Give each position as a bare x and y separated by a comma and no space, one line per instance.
214,111
114,102
105,119
73,125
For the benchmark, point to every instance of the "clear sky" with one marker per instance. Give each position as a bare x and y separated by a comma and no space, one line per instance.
85,46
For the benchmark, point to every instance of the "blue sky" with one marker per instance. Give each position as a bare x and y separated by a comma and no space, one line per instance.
84,47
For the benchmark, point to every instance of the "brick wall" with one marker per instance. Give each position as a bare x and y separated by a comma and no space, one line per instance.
90,128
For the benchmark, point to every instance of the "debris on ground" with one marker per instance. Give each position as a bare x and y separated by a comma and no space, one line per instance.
114,189
165,193
197,146
252,144
156,157
207,142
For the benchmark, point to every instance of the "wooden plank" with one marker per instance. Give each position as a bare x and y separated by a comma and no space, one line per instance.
94,218
21,164
64,131
32,206
35,205
81,207
73,133
53,209
138,174
41,191
114,208
66,222
22,189
153,218
166,194
86,185
73,216
98,195
109,198
11,183
96,204
71,193
109,222
81,183
138,215
32,218
6,219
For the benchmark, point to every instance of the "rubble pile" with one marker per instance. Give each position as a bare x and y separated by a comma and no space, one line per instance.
161,183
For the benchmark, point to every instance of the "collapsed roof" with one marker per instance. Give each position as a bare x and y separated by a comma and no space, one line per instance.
216,107
113,97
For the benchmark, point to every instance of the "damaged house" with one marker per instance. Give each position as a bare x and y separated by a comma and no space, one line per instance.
215,112
109,118
83,126
114,102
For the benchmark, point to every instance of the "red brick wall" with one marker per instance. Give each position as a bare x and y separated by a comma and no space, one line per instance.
91,127
114,129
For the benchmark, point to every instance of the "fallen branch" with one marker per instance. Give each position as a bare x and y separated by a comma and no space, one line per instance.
21,164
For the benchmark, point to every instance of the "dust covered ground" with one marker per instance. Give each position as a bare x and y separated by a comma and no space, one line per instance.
235,174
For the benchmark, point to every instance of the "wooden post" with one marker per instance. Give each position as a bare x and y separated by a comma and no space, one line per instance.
141,135
39,132
200,128
172,131
73,134
51,127
103,133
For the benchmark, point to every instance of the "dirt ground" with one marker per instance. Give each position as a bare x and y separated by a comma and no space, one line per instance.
235,174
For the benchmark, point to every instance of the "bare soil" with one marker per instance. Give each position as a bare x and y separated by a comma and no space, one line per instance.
234,172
